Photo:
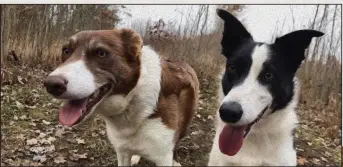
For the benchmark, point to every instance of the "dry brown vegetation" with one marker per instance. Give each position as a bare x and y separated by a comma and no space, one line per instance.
36,33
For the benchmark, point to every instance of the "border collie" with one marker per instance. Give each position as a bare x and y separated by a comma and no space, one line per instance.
147,103
259,94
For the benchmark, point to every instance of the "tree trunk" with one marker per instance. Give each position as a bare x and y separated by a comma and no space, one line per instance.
2,33
5,20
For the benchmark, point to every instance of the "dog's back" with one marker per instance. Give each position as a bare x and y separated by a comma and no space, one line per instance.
178,100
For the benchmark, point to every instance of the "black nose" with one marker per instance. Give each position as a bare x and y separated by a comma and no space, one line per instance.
230,112
55,85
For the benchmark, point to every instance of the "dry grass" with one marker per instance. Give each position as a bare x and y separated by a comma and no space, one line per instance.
201,52
36,32
321,93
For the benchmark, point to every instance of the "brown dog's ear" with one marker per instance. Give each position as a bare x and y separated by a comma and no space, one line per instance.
132,43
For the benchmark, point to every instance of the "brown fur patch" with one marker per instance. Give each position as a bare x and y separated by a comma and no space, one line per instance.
178,100
121,66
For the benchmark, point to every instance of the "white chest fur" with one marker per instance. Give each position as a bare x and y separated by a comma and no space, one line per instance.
150,139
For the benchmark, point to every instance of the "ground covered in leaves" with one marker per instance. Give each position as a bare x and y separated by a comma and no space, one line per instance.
32,135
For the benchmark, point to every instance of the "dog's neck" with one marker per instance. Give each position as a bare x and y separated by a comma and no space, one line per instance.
140,102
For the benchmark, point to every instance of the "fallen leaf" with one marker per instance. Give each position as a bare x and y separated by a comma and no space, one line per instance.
15,118
20,80
80,141
30,107
40,158
74,151
198,115
59,132
75,157
302,161
94,134
82,156
210,117
59,160
324,159
19,105
196,132
9,161
316,161
102,132
31,142
37,150
41,135
34,164
46,122
50,149
48,140
23,117
42,150
20,137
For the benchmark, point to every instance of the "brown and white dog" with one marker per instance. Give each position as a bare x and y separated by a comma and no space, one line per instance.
147,103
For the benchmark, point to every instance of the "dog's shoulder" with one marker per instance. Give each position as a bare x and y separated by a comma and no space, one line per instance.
176,76
178,97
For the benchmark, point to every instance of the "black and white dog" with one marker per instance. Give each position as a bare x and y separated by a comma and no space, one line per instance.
259,95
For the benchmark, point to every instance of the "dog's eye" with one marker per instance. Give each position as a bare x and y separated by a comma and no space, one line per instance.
66,51
268,76
232,68
101,53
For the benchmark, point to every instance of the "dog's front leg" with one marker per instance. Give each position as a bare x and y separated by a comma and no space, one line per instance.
166,160
124,158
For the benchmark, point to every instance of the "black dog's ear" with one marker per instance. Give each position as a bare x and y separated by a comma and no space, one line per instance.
294,44
300,39
234,32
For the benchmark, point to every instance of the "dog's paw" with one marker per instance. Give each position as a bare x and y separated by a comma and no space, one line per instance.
135,159
176,163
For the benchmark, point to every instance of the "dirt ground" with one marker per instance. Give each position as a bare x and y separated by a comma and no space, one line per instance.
32,135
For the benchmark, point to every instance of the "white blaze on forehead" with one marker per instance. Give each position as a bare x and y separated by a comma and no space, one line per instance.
80,79
250,94
259,56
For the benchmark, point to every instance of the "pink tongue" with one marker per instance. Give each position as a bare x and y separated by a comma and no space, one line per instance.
71,112
231,139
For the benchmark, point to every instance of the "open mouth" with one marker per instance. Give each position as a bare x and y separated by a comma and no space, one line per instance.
75,111
247,130
231,137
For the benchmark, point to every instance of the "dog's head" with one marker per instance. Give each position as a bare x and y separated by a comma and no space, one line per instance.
259,77
96,64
